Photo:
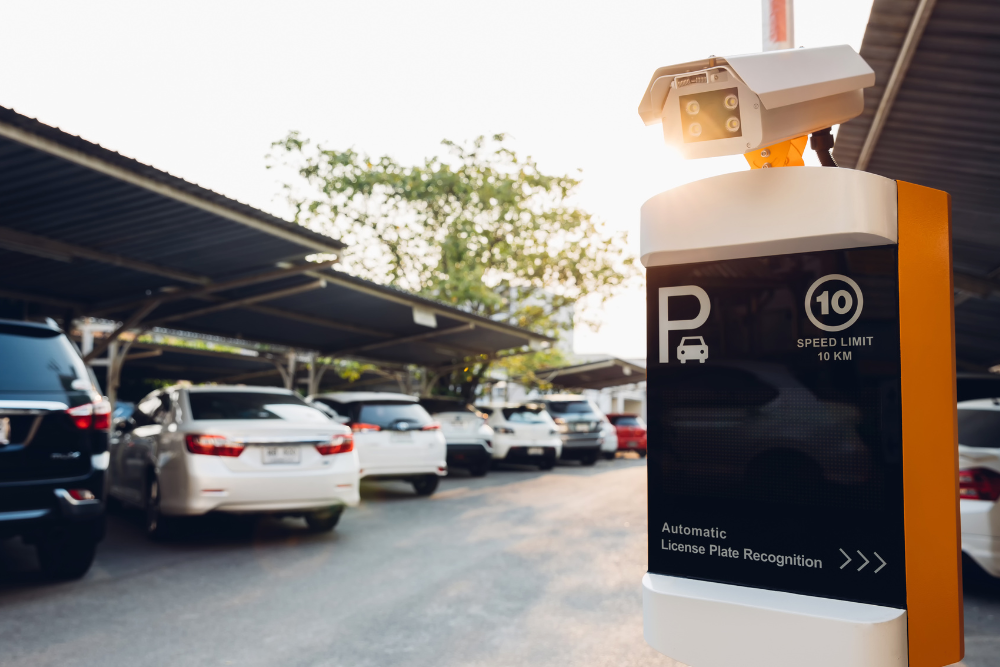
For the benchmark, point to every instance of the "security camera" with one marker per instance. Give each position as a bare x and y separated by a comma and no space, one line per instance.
736,104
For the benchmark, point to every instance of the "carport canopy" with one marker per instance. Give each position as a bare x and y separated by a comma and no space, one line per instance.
594,375
86,232
931,119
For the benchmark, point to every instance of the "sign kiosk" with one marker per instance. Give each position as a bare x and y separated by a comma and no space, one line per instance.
802,460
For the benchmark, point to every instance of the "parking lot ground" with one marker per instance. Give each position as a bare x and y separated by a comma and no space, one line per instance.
517,568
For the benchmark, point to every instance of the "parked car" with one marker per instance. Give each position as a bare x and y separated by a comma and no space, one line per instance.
580,425
609,448
240,450
395,437
524,434
469,438
53,448
631,432
979,481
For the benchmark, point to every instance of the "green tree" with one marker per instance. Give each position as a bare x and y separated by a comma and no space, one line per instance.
481,229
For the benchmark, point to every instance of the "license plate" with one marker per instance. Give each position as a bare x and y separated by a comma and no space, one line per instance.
632,443
535,451
581,428
401,437
282,455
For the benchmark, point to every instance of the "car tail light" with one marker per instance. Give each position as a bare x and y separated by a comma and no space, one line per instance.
81,494
433,426
95,415
979,484
358,427
339,444
212,445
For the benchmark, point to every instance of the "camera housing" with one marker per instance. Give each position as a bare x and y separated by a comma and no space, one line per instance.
737,104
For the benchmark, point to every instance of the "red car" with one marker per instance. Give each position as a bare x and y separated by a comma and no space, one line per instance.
631,433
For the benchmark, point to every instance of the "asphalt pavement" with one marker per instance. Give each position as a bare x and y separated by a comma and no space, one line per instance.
517,568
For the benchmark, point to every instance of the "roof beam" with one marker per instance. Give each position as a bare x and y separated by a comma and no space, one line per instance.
131,321
237,303
312,319
197,292
37,298
406,339
78,157
58,250
389,294
917,25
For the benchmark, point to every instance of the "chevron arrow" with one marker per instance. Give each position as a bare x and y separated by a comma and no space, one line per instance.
846,561
865,563
880,566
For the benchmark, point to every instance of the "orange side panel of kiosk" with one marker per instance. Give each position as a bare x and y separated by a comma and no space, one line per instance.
930,436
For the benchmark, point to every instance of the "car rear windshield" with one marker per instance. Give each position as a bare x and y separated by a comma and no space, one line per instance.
979,428
569,408
388,415
206,405
35,359
627,420
527,415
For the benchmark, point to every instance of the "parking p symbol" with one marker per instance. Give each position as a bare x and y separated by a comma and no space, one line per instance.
667,325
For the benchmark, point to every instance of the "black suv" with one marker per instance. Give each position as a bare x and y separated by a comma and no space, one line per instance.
54,427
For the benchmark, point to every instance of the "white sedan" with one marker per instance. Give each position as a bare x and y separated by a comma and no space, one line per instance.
979,481
524,434
241,450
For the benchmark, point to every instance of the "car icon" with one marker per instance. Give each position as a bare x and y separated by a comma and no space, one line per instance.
691,348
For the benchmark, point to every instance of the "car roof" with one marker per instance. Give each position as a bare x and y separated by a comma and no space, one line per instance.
361,396
980,404
198,389
562,397
49,326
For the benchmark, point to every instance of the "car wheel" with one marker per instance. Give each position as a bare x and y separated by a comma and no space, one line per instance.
642,453
426,485
549,462
324,520
66,556
588,459
609,455
479,469
155,523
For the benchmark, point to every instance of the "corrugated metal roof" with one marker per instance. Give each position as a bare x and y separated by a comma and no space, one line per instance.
85,230
941,132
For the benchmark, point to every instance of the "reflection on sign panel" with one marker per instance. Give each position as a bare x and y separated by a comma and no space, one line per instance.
775,461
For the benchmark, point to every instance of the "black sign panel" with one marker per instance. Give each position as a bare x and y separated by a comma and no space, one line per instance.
775,426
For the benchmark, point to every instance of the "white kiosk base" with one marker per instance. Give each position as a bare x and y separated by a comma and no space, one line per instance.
705,624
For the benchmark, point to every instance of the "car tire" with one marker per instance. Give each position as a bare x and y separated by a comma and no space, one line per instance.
588,459
324,521
426,485
549,462
66,556
609,455
156,525
642,453
479,469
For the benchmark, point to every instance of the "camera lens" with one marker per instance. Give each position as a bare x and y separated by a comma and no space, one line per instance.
692,108
733,124
694,129
732,102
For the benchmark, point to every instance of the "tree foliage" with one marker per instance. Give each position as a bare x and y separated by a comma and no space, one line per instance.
480,228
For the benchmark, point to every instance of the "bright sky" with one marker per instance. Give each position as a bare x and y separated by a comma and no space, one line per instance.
200,89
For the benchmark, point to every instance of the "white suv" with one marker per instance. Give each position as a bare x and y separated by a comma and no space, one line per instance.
394,436
524,434
469,437
979,481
